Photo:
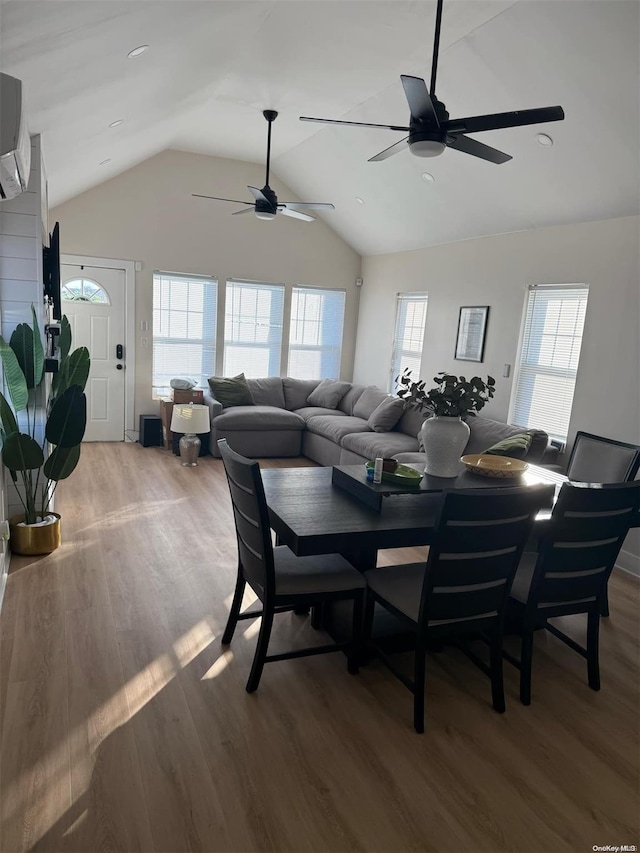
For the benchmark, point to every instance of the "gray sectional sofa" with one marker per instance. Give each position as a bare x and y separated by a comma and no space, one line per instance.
284,423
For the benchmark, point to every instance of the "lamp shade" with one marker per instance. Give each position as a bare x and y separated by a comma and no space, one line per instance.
194,419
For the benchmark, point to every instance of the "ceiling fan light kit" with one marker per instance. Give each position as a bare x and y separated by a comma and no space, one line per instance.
430,129
266,205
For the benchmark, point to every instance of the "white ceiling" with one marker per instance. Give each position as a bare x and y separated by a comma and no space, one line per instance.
214,66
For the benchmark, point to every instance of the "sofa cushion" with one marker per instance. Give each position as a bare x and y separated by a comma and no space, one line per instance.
257,418
267,392
385,416
315,411
296,391
369,400
335,428
485,432
328,394
372,444
411,421
231,391
516,446
350,398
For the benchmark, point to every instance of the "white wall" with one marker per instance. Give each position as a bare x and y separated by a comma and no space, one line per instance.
495,271
147,214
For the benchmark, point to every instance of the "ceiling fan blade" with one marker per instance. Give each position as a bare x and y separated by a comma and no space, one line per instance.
391,150
258,194
244,210
477,149
496,121
296,215
355,123
217,198
306,205
420,102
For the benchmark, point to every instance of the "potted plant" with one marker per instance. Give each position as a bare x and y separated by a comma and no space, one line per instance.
39,454
444,433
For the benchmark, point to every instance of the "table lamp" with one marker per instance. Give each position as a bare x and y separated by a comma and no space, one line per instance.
190,419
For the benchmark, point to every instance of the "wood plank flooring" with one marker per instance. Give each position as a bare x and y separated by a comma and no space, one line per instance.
125,726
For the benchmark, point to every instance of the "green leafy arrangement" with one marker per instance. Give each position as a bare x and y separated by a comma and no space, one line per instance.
453,396
37,466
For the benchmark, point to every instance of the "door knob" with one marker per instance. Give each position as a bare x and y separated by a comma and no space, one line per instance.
119,367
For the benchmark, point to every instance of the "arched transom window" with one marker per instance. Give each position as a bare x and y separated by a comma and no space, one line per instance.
84,290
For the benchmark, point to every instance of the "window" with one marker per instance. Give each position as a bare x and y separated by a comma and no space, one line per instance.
253,328
408,337
315,334
84,290
549,356
184,329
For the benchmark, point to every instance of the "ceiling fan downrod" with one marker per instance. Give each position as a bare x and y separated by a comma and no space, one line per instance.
271,116
436,48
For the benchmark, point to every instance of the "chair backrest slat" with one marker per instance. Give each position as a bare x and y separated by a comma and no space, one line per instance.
581,544
251,519
477,546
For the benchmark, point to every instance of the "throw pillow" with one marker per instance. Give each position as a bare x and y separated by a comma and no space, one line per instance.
328,394
385,416
231,391
516,446
368,401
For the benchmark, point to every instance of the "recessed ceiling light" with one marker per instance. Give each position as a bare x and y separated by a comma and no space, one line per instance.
138,51
104,162
117,123
544,139
359,200
428,177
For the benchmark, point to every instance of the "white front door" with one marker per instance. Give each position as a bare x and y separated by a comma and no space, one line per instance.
93,298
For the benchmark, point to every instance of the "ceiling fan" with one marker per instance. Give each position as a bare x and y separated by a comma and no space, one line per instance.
266,204
430,128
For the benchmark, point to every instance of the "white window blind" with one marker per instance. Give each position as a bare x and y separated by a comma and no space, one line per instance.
408,337
253,328
315,334
548,358
184,329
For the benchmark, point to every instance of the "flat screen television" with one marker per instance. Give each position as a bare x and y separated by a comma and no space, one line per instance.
51,272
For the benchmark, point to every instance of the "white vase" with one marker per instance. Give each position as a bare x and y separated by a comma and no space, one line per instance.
444,440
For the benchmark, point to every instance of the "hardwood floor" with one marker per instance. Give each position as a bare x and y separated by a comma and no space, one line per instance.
125,726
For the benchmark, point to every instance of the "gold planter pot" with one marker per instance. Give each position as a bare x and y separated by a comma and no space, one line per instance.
30,540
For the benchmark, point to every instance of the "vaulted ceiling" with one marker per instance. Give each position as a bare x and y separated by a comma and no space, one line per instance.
212,67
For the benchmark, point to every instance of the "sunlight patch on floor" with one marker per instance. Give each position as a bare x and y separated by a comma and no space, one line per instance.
218,666
195,640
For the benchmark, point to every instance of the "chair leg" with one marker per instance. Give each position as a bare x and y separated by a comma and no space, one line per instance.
316,616
419,672
261,650
593,668
526,656
355,649
604,607
236,604
497,680
369,607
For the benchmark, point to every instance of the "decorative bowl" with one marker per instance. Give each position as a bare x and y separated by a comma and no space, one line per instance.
501,467
403,475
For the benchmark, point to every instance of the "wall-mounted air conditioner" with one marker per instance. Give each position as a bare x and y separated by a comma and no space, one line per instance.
15,145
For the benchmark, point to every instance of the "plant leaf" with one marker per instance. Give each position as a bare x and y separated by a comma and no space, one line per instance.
65,338
78,367
62,462
38,351
9,423
21,452
14,377
68,418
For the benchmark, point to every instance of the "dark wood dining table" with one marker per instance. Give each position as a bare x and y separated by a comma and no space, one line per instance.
312,515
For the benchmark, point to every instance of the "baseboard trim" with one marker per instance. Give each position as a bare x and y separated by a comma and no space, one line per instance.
629,563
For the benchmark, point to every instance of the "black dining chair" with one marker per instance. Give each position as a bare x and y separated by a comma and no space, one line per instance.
596,459
282,581
569,574
464,586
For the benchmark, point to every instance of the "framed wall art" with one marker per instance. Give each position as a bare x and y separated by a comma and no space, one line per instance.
472,330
